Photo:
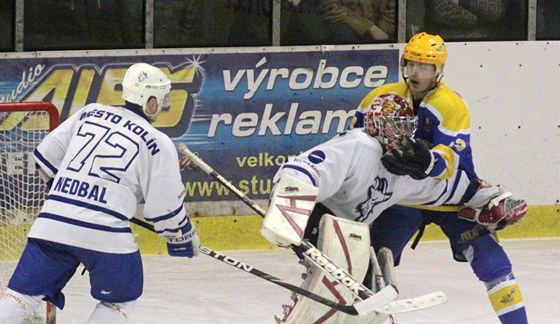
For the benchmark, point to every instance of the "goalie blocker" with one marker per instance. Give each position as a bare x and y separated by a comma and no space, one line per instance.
287,216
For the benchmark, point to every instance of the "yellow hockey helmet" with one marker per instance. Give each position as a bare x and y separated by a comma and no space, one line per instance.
426,48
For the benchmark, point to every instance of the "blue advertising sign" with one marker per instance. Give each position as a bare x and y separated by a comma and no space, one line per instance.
243,113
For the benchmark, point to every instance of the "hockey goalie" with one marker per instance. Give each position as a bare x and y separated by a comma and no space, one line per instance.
346,177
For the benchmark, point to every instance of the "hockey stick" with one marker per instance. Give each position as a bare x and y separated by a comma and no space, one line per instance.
348,309
386,275
378,280
370,301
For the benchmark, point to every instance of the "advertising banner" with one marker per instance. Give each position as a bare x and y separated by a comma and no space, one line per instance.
244,113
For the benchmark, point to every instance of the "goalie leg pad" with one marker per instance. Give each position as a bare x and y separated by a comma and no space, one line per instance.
287,216
346,243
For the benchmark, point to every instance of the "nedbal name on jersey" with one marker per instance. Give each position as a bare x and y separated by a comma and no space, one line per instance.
116,119
80,188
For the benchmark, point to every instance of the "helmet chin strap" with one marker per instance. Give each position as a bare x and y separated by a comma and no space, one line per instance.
438,79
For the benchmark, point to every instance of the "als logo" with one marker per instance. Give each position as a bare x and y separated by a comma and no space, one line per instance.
377,193
72,83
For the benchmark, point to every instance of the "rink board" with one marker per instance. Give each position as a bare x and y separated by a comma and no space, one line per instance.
243,232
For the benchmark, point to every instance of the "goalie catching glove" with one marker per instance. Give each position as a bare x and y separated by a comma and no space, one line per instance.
185,243
491,206
411,157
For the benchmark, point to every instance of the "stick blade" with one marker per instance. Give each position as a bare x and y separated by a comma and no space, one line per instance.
413,304
377,301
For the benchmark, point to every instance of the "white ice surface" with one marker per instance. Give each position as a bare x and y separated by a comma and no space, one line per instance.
207,291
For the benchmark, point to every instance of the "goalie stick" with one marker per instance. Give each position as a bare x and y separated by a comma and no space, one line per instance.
348,309
370,301
386,275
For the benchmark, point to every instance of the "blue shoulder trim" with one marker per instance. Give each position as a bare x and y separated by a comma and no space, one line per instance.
41,158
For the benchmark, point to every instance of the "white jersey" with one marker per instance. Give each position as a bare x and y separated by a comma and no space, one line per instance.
353,183
105,162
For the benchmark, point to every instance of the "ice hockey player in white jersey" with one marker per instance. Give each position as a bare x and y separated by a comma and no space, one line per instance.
346,177
101,163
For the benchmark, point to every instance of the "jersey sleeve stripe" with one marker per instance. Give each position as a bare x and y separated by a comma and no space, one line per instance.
87,206
85,224
166,216
175,229
40,158
455,185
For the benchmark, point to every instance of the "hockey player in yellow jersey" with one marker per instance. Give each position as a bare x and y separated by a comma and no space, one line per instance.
444,125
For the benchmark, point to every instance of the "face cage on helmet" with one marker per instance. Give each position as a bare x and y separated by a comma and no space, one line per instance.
390,130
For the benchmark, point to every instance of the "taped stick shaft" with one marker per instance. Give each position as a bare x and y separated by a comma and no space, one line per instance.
208,169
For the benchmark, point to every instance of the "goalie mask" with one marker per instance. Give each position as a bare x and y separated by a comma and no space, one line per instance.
143,81
389,119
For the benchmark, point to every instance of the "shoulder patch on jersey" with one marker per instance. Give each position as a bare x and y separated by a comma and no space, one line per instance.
316,157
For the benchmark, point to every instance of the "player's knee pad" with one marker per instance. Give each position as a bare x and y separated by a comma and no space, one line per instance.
487,258
115,313
15,307
347,244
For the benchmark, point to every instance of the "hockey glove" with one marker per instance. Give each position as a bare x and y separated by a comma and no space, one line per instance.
411,157
491,206
186,163
185,243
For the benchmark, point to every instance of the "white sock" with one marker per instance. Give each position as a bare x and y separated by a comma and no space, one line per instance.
10,311
111,313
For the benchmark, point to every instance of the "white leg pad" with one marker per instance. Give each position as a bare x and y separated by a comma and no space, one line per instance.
15,307
111,313
346,243
10,312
